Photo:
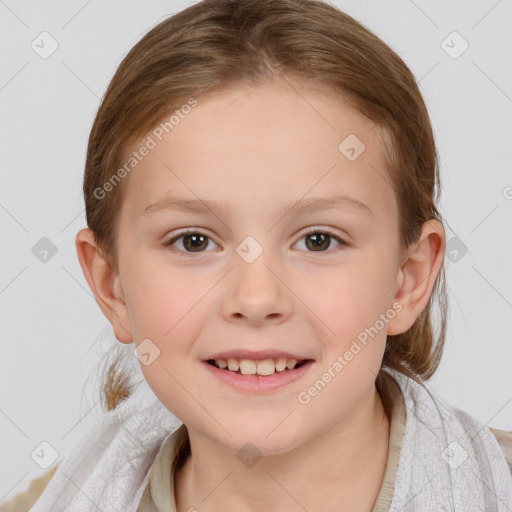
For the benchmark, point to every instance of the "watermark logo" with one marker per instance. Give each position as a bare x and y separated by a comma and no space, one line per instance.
455,249
454,455
44,250
44,455
44,45
146,351
249,249
249,455
454,45
351,147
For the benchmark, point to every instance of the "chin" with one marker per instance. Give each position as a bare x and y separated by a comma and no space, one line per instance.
262,441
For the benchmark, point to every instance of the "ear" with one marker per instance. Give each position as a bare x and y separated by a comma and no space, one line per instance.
417,276
105,285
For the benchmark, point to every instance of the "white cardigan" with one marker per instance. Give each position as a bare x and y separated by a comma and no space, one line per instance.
449,461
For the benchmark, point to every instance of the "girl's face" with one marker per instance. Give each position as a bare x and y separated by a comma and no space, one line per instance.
253,278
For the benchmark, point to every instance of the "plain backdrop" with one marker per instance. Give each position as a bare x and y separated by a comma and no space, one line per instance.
49,320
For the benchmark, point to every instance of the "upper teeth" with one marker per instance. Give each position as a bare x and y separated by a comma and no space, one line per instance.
264,367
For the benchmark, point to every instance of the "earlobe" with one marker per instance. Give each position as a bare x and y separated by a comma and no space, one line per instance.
417,276
105,284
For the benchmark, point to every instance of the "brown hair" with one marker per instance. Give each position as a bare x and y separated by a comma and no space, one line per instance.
214,45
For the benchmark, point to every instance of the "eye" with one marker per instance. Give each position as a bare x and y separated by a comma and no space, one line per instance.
320,240
193,241
317,240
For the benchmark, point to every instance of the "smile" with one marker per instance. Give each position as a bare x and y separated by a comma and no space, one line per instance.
253,382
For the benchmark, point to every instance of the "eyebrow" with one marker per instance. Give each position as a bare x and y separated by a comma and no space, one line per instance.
221,209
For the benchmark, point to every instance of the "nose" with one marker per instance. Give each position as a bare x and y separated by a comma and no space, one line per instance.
256,293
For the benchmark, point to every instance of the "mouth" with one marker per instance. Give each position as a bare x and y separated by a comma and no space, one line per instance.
250,377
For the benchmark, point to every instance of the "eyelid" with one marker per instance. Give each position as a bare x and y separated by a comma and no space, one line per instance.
321,229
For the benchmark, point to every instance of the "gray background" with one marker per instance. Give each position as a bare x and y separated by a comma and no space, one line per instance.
49,320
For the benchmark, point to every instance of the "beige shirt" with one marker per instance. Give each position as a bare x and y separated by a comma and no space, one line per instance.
159,494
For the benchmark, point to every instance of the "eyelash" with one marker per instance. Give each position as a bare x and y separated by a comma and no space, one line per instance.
312,231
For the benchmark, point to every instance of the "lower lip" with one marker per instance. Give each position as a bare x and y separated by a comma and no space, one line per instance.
258,383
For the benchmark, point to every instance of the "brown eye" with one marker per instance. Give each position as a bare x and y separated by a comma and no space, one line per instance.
321,241
195,243
191,241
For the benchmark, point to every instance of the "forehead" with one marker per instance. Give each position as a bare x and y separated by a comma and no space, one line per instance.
263,141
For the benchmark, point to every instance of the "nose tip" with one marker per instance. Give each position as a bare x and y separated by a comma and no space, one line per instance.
255,294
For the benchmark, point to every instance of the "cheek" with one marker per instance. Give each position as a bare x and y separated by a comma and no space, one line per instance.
166,308
352,296
161,300
349,301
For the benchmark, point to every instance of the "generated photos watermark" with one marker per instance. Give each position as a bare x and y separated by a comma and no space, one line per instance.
150,143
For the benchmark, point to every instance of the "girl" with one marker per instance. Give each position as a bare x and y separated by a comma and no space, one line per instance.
260,189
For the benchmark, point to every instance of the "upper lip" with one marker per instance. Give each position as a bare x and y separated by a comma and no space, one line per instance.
256,355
